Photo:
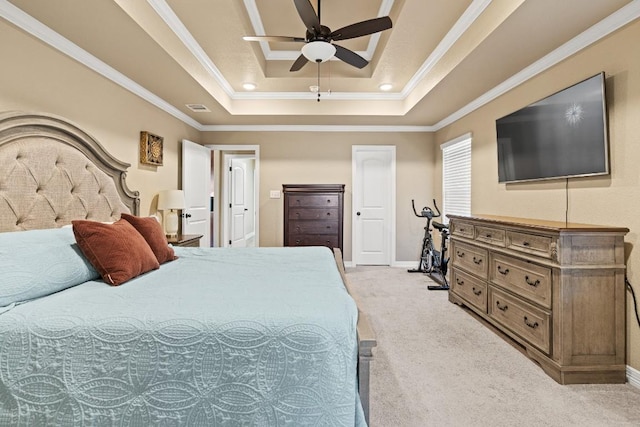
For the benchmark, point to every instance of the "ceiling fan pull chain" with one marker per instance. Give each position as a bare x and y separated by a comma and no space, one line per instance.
318,78
329,78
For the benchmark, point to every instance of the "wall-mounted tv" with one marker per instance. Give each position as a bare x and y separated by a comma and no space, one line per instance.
561,136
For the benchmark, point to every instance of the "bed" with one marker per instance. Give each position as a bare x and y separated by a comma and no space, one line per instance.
254,336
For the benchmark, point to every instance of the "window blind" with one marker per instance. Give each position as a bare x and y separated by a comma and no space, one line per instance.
456,176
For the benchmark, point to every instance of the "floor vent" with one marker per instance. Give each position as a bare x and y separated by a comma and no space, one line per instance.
198,108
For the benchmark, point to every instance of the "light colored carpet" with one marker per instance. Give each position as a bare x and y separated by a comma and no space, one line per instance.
436,365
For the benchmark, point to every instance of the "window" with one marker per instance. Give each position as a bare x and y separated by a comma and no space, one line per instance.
456,176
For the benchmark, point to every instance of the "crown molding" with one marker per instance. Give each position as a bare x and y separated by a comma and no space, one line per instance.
613,22
459,28
314,128
37,29
180,30
608,25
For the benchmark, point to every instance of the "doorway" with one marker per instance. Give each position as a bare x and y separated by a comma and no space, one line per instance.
374,209
236,185
239,200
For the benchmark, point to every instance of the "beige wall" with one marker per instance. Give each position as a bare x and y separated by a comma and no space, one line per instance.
36,78
612,200
325,158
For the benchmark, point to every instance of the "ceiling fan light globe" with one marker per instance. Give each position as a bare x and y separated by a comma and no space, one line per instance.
318,51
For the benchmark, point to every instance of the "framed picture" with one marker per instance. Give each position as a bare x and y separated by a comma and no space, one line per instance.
150,149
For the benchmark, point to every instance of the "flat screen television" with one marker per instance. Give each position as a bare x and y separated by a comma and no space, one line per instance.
561,136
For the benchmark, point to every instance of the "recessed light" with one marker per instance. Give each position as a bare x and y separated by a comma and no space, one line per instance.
385,86
249,86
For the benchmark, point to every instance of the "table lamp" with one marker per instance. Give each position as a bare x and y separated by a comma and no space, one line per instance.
170,201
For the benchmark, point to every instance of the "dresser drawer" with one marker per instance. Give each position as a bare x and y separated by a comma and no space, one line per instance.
529,322
314,240
530,243
462,229
470,258
531,281
314,200
313,227
473,290
493,236
315,213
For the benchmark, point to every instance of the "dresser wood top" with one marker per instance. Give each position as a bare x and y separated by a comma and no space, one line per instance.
557,226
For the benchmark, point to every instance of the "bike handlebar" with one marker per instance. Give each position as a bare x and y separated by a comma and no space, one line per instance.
426,212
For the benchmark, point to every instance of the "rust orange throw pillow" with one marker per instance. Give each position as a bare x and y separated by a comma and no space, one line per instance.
117,251
152,232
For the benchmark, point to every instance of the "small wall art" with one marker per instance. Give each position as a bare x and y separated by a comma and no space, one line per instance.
150,149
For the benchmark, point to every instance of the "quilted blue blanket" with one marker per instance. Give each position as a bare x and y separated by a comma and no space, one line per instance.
219,337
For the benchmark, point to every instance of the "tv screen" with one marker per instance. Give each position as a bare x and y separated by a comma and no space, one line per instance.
561,136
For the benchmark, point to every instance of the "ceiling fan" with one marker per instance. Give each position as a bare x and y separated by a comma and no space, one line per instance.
319,46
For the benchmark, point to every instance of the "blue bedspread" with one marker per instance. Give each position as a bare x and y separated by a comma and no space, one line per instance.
219,337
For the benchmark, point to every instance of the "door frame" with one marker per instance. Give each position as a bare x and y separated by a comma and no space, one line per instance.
392,196
221,215
225,182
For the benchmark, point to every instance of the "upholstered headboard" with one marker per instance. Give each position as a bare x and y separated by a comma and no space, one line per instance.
52,172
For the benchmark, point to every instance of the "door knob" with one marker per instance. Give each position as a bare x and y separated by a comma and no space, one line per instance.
187,215
358,213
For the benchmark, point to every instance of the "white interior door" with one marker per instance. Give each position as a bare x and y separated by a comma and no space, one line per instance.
196,178
238,205
237,189
373,204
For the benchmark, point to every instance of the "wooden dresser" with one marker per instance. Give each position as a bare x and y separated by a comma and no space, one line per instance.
557,289
313,215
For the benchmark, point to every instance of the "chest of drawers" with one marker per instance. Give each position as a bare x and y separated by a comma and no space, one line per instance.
556,289
313,215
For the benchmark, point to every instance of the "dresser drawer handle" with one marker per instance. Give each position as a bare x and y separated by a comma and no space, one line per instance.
297,213
477,293
530,283
501,307
529,324
459,282
462,230
525,243
328,200
328,242
328,226
503,272
487,236
460,254
477,261
328,213
297,228
297,242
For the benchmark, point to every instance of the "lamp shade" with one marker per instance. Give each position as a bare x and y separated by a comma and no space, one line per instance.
318,51
170,199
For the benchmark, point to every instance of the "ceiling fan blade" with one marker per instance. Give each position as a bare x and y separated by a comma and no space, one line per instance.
350,57
273,39
308,15
362,28
299,63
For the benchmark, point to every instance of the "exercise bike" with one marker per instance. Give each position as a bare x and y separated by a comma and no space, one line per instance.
433,262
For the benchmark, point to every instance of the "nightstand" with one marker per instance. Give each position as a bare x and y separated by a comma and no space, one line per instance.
185,240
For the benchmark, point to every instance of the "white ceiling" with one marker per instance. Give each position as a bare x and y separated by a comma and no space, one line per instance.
443,58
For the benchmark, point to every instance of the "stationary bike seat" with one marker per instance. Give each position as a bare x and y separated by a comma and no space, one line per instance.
439,226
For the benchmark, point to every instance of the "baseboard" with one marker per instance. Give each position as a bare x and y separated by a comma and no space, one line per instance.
405,264
633,376
398,264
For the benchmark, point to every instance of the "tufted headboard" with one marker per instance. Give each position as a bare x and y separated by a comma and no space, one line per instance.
52,172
